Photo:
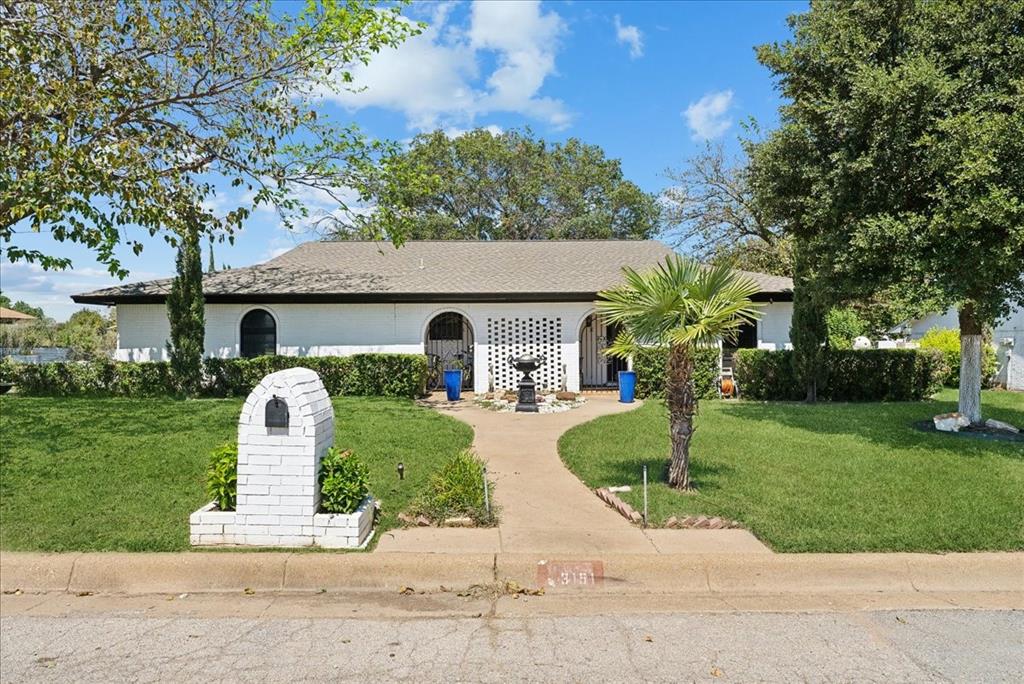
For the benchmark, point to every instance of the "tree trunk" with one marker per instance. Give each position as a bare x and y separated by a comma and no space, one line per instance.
682,405
970,364
812,391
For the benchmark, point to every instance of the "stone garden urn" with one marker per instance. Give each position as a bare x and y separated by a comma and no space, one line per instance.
526,364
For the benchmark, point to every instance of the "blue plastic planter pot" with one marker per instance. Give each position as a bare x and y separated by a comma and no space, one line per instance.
453,384
627,386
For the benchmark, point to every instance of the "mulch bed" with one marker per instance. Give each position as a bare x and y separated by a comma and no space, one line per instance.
972,432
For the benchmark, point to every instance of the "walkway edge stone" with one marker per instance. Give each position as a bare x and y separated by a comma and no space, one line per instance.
732,574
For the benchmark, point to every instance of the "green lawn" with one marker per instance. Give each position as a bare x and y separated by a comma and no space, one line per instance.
122,474
827,478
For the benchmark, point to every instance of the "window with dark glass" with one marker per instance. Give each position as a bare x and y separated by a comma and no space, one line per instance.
747,337
446,326
259,334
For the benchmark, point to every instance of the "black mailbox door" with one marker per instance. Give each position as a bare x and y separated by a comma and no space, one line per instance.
277,413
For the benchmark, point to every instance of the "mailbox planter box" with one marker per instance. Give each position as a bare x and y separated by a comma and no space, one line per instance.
286,427
212,527
345,531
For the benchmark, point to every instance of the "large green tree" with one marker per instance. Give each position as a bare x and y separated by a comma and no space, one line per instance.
679,306
119,117
508,186
186,314
88,335
899,162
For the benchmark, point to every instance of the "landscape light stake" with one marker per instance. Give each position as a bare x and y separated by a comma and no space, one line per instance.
487,496
401,470
645,495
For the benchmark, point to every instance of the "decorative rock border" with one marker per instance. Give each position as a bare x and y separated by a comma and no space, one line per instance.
556,402
624,509
690,522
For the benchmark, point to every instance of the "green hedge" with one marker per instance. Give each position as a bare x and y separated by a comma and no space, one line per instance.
389,375
853,375
649,365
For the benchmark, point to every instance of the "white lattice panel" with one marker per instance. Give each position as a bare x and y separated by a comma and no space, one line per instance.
518,336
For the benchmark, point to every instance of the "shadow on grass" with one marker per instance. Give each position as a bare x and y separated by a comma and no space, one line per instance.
707,477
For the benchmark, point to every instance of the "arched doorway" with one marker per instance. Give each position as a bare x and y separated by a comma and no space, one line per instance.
448,344
596,369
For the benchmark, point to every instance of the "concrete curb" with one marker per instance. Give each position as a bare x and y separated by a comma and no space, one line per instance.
197,572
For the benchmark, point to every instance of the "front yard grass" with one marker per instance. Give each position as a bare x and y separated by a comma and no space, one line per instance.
824,478
124,474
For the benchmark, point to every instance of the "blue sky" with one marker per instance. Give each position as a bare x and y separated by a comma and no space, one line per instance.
650,82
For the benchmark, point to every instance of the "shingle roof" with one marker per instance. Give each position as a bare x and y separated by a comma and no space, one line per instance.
12,315
426,270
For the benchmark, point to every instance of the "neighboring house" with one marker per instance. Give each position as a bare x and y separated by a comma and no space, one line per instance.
12,317
477,303
1007,336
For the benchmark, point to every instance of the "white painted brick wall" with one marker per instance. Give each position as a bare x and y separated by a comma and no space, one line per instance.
343,329
773,327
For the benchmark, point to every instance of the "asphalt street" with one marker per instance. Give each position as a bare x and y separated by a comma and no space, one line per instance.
889,646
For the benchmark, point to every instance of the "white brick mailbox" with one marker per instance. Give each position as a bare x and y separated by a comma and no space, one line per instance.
286,426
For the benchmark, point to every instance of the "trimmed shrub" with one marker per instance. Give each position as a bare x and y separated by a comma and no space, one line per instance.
844,326
947,341
767,375
853,375
344,482
457,490
389,375
238,377
222,477
649,364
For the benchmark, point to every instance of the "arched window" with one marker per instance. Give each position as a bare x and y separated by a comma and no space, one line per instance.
259,334
448,326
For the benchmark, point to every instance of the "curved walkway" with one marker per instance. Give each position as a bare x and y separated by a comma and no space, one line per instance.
544,507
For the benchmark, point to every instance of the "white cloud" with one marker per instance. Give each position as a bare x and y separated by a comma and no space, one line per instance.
627,34
52,290
456,132
707,116
435,78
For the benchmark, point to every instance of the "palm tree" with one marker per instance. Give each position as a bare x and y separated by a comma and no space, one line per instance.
680,305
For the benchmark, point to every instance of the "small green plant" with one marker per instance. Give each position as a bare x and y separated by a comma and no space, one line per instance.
844,326
222,476
947,341
344,482
457,490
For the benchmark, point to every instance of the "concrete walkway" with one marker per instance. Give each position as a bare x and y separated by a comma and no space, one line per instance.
544,507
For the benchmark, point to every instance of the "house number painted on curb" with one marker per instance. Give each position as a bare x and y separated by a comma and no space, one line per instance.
554,574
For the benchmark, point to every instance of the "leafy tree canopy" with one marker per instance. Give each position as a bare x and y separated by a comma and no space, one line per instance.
117,118
509,186
899,162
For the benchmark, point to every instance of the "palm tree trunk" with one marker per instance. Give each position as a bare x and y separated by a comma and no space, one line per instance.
682,405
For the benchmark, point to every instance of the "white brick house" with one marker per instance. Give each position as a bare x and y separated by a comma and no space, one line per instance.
460,301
